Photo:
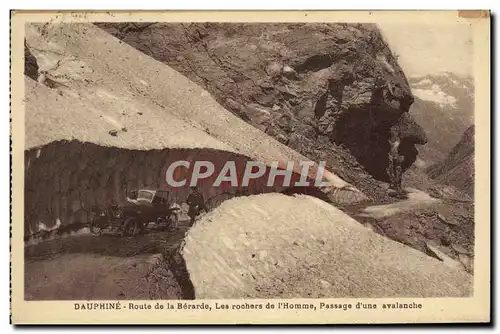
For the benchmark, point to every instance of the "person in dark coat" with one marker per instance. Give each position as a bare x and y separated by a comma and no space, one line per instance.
196,204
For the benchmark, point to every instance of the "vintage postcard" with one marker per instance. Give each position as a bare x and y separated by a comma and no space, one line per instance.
250,167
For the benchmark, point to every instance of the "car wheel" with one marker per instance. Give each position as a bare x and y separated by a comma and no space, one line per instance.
95,229
130,227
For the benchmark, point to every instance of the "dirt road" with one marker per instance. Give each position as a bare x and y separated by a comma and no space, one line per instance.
416,199
104,267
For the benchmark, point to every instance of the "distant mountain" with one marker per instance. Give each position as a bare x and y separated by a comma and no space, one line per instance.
444,107
458,168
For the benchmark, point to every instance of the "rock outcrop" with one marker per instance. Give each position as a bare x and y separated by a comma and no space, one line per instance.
30,63
329,91
252,247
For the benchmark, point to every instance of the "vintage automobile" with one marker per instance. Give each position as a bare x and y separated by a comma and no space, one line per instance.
145,210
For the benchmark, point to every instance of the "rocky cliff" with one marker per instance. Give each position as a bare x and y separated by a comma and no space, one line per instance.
329,91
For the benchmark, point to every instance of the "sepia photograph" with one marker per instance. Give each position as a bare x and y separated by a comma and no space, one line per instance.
291,165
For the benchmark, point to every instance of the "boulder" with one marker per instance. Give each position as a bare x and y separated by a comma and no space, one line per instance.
289,72
274,69
259,116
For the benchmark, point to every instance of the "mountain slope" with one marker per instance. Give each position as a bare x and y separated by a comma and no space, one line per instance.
458,168
444,107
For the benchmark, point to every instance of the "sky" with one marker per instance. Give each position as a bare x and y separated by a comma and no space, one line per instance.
430,48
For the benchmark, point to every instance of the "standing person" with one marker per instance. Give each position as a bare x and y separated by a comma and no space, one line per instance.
399,175
196,204
395,169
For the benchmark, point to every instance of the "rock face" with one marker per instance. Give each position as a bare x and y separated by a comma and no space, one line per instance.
329,91
30,63
458,168
250,247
